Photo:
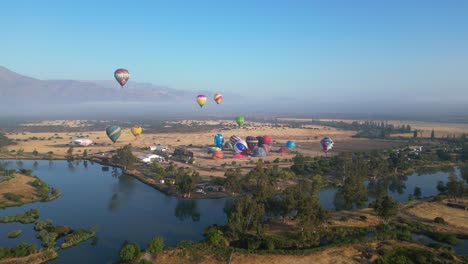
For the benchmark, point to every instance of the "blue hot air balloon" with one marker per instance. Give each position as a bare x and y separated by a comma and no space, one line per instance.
113,132
290,144
327,144
219,140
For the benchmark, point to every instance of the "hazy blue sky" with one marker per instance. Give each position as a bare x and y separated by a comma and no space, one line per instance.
349,50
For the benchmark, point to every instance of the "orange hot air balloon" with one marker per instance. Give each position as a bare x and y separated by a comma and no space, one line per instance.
201,100
136,131
218,98
122,76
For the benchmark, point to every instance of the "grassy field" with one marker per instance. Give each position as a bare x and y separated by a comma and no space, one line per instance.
19,185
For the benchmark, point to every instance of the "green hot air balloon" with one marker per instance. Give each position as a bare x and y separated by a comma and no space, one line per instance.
113,132
240,120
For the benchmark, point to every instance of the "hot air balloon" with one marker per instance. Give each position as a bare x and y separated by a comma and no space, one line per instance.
136,131
217,154
259,152
219,140
266,140
122,76
240,146
240,120
201,100
234,139
238,156
218,98
252,142
260,140
113,132
282,150
290,144
228,145
327,144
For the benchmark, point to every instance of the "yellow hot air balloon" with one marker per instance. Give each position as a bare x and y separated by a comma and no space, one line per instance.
136,131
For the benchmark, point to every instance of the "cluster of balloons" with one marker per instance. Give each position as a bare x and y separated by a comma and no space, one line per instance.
255,146
201,99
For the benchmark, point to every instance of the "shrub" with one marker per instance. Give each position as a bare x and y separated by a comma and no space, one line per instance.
440,220
156,245
129,252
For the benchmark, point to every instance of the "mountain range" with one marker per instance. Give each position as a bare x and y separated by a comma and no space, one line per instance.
16,88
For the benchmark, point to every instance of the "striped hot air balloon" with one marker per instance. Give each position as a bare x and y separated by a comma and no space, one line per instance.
228,145
113,132
201,100
234,139
252,142
218,98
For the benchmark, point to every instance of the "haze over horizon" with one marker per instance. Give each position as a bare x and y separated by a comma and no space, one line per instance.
366,58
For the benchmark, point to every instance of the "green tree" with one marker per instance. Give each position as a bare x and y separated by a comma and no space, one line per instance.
432,134
455,187
215,236
417,192
464,154
35,153
245,215
156,245
85,153
386,207
70,153
20,152
129,252
233,180
125,157
415,133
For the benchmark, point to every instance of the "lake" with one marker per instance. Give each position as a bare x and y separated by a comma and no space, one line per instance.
121,207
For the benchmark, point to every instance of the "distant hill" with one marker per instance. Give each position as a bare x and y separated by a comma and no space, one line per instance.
17,88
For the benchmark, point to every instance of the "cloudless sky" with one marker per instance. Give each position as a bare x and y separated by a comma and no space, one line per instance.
349,50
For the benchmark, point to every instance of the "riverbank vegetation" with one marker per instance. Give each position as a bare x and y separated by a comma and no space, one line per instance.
25,218
14,233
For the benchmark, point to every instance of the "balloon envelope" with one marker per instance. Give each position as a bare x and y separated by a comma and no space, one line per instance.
136,130
238,156
259,152
282,150
234,139
217,154
252,142
327,144
240,146
266,140
240,120
290,144
219,140
218,98
201,100
228,145
122,76
113,132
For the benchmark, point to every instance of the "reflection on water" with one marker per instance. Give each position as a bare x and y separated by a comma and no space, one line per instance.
186,209
399,188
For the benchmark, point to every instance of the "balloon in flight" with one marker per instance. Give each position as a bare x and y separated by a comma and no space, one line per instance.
136,131
201,100
327,144
218,98
122,76
240,120
113,132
